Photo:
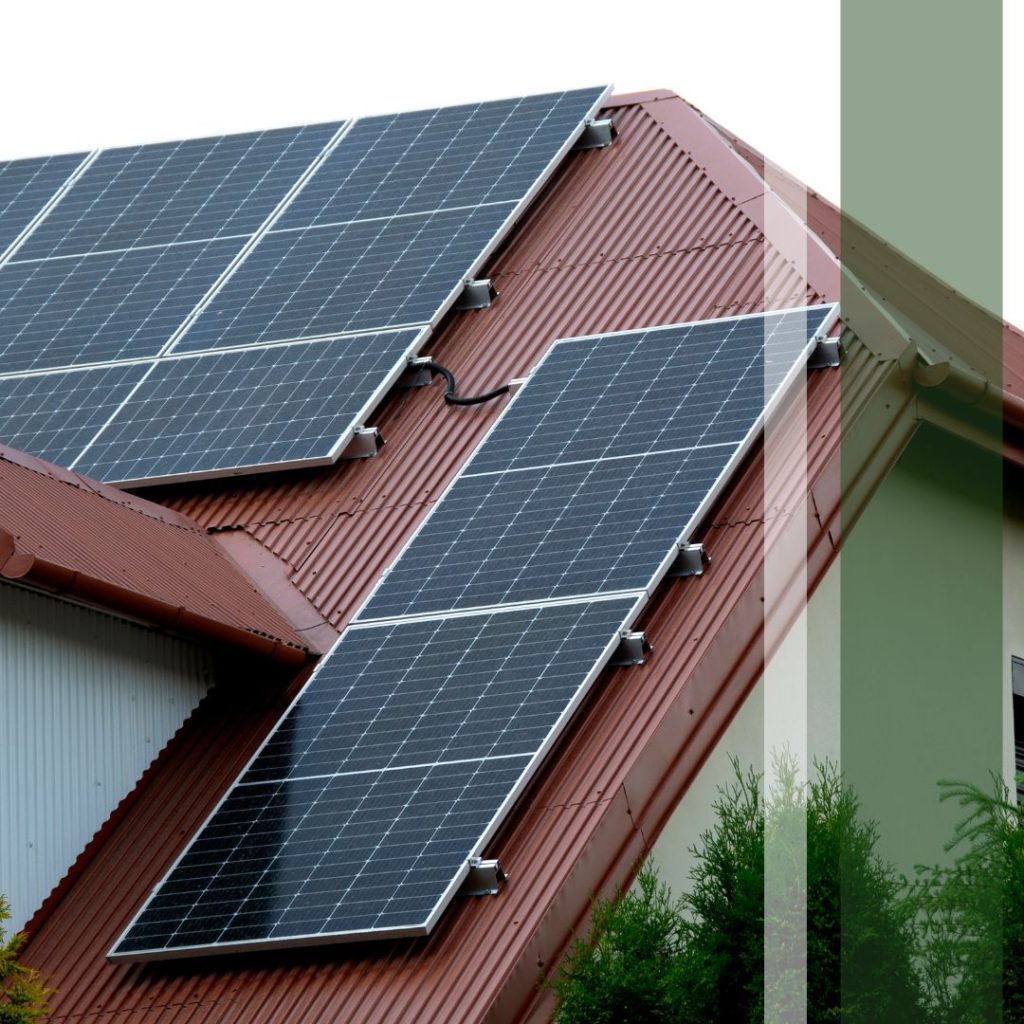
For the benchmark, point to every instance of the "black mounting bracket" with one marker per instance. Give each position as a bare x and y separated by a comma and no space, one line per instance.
633,648
417,373
825,355
477,294
597,135
483,879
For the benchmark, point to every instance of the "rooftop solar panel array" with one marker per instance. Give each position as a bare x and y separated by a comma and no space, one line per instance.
394,767
302,234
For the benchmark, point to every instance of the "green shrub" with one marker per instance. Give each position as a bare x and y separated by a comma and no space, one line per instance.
22,995
971,915
627,969
701,959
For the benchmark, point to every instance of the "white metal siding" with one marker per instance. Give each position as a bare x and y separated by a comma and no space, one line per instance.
87,703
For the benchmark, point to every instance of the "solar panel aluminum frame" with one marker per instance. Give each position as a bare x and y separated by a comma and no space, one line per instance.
357,423
414,350
333,938
640,600
830,317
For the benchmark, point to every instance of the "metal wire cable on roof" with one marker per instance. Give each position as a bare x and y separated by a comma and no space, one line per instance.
436,369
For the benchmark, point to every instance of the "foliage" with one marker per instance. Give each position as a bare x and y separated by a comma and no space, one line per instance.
702,958
861,941
822,856
627,969
971,915
22,995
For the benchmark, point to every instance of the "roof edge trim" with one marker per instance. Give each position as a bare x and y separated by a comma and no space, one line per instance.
24,567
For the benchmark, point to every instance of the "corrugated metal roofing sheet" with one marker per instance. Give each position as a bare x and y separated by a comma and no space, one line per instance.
66,534
608,246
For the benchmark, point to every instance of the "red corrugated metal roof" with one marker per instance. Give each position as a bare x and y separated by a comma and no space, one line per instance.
66,534
666,225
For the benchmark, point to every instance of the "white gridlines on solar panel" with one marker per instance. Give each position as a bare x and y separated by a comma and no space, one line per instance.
203,245
448,691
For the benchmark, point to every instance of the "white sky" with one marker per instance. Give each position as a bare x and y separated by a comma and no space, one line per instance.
82,74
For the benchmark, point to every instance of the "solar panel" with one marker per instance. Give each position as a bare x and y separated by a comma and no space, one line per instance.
353,277
55,415
26,186
103,308
178,192
291,404
440,159
392,768
598,467
154,252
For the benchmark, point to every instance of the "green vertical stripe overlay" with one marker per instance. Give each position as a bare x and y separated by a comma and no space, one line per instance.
924,660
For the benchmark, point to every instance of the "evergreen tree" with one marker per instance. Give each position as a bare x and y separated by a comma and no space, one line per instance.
627,969
22,995
971,915
701,959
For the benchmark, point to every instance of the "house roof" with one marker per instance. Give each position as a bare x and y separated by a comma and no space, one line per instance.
64,533
666,225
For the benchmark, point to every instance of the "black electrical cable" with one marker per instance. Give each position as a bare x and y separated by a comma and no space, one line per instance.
450,397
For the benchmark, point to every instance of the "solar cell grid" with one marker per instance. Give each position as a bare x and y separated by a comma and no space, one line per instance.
645,391
178,191
26,186
354,819
598,467
294,861
200,415
357,277
442,690
55,415
102,308
431,159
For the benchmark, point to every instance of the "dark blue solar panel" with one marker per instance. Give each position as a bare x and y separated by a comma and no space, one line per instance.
442,690
323,858
178,191
102,308
360,277
26,186
388,773
178,242
429,159
590,528
620,462
245,409
55,415
648,391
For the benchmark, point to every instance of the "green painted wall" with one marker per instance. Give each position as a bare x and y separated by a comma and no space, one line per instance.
922,641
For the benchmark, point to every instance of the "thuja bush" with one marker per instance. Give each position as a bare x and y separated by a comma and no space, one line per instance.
971,914
629,967
22,994
701,958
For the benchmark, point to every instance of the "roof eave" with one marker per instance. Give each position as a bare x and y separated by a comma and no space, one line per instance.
31,570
